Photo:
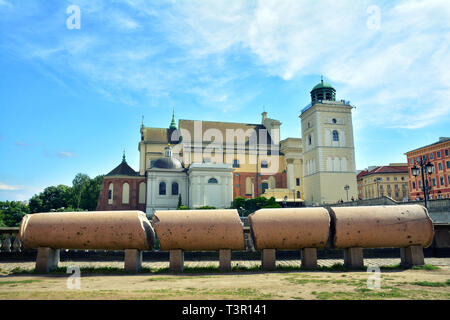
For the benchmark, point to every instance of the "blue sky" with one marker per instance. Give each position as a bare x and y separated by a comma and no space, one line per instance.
71,100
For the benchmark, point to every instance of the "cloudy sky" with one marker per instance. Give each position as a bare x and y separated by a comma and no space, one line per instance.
72,99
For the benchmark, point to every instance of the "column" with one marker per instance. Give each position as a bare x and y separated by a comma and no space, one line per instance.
353,258
47,260
412,256
133,260
176,260
225,260
268,259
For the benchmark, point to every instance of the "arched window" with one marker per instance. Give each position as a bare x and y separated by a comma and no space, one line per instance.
264,186
162,188
248,186
309,140
174,189
335,135
125,193
110,193
212,180
272,182
142,187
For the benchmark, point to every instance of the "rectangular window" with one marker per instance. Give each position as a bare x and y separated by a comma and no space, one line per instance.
438,154
440,166
431,156
448,179
264,164
441,180
413,185
395,178
411,161
434,182
446,152
297,182
387,179
448,164
236,163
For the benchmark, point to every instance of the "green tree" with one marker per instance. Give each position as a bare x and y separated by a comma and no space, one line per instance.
90,193
12,212
35,204
79,184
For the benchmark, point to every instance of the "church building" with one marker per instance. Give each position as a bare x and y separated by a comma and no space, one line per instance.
209,163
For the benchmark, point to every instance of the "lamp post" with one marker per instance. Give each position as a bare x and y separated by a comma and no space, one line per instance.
346,189
425,168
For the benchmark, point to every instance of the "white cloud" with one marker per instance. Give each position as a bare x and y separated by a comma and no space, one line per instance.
188,47
5,187
65,154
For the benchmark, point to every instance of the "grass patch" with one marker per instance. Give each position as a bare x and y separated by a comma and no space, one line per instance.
432,284
362,294
426,267
2,283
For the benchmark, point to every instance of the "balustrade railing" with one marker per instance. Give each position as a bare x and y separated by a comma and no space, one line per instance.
6,245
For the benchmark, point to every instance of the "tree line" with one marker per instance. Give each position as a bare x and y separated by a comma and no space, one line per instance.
81,196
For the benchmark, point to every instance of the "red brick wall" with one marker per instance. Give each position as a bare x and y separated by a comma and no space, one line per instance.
102,204
239,183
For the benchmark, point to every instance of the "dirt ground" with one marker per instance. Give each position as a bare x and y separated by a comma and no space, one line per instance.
243,285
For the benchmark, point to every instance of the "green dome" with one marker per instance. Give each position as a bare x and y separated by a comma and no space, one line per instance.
323,84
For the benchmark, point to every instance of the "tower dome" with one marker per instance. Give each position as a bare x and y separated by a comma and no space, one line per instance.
323,91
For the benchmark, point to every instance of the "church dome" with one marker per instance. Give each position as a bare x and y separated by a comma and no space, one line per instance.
323,84
323,91
167,163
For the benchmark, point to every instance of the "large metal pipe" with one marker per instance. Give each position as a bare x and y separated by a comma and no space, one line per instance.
207,230
381,226
107,230
290,228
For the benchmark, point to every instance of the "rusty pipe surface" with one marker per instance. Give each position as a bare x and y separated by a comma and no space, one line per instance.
381,226
290,228
207,230
107,230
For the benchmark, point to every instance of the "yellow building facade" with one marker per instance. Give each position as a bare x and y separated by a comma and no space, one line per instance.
391,181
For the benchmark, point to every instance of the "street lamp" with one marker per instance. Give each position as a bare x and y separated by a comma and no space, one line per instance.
285,201
346,189
424,168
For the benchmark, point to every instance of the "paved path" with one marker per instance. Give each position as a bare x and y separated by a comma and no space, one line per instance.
7,266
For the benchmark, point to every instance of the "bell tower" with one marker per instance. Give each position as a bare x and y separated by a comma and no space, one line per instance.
328,148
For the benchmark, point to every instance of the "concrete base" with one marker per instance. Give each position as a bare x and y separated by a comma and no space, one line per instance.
412,256
309,258
353,258
176,260
133,260
268,259
225,260
47,260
